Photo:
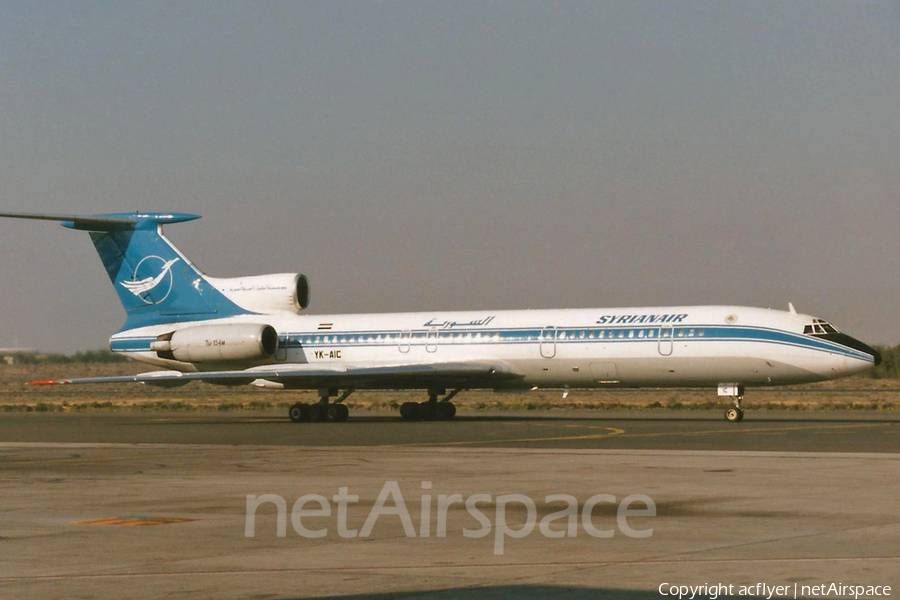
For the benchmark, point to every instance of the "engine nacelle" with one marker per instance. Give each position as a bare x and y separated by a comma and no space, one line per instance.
266,294
218,343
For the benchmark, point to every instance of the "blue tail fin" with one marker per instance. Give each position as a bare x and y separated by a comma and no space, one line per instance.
155,282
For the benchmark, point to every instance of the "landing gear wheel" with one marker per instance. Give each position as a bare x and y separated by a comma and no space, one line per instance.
445,411
299,413
317,413
427,411
734,414
409,411
338,413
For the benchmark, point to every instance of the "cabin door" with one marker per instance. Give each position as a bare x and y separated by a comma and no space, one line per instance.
548,342
666,343
404,341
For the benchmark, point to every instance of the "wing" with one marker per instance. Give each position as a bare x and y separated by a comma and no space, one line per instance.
476,374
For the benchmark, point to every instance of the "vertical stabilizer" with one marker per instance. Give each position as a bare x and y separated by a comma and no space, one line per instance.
155,282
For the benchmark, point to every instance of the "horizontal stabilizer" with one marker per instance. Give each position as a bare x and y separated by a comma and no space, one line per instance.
110,222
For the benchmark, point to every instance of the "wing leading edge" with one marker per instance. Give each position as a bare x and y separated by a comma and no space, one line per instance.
468,374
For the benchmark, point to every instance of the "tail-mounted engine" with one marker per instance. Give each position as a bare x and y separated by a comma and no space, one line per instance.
266,294
218,343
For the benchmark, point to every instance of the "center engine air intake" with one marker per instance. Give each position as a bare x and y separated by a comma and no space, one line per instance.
218,343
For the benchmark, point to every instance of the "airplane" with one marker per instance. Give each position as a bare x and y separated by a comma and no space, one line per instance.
251,330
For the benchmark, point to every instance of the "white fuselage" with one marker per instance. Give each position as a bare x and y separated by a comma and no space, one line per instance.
583,348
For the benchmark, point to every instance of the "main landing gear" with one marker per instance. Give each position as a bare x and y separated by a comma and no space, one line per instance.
323,410
433,409
734,414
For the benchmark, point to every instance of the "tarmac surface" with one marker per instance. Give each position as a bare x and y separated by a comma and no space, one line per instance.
848,431
152,505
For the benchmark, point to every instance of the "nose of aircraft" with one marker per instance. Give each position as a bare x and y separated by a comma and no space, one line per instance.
850,342
875,355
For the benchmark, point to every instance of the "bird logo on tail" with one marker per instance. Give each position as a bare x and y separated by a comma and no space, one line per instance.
142,287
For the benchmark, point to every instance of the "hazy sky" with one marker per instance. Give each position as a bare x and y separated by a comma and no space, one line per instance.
460,155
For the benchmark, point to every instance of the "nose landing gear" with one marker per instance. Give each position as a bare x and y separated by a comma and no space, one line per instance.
735,391
734,414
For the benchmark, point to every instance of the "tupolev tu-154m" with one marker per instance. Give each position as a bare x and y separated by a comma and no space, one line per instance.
251,330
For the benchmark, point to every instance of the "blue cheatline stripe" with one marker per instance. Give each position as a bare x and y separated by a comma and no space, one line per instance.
784,337
131,344
573,335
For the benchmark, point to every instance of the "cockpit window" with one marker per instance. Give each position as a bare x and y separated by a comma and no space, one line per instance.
820,327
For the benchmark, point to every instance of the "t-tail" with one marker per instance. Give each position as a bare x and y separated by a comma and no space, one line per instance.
156,283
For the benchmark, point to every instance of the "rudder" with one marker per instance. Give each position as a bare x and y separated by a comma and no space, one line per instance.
154,281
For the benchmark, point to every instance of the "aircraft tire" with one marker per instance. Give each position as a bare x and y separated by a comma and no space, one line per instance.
317,413
409,411
427,411
298,413
446,411
734,414
338,413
